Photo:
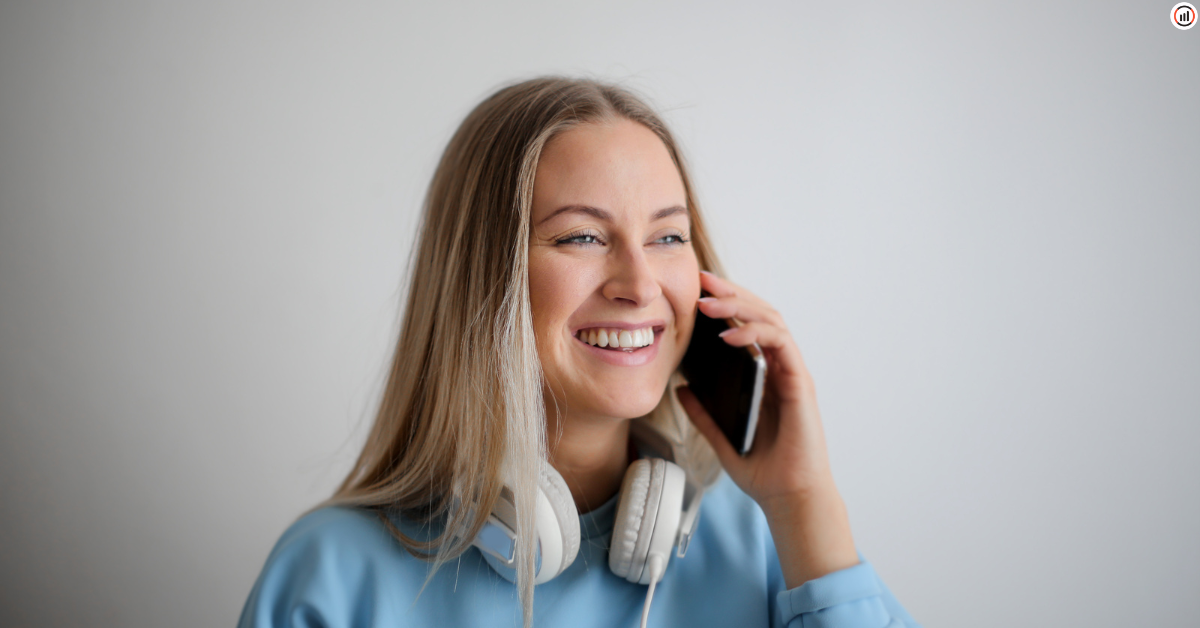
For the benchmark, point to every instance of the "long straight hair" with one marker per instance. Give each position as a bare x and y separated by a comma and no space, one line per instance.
462,412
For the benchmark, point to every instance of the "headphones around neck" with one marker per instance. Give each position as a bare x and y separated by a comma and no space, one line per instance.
658,509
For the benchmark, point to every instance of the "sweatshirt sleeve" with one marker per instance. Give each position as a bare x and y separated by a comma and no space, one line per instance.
854,597
320,575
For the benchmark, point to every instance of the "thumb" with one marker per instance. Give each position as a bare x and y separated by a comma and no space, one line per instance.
708,427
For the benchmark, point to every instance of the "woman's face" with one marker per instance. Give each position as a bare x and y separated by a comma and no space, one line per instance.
610,254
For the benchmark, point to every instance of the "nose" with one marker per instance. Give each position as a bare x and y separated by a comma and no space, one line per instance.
631,278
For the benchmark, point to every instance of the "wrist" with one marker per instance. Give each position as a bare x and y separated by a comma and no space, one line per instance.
812,534
791,503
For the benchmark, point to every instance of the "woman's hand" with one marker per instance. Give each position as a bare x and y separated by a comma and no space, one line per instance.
787,470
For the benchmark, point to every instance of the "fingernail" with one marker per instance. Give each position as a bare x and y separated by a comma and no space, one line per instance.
708,299
708,273
727,332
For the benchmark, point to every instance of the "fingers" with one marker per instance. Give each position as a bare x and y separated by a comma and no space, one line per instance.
761,324
735,301
719,287
703,421
716,286
768,336
777,343
742,309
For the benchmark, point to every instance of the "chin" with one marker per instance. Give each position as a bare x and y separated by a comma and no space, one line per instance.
634,406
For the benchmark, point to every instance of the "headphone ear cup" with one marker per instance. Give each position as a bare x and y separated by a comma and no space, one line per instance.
558,495
630,511
556,529
666,525
647,517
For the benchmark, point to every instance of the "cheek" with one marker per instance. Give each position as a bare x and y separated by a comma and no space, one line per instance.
683,286
555,290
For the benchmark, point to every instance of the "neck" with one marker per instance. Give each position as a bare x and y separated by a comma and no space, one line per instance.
591,456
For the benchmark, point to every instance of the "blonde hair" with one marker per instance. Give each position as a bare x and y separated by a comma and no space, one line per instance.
463,407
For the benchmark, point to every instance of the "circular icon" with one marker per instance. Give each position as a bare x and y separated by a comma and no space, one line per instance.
1183,16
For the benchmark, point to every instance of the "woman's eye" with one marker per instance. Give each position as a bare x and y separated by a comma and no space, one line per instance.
678,239
577,239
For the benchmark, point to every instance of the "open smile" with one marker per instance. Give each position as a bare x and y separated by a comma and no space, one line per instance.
623,355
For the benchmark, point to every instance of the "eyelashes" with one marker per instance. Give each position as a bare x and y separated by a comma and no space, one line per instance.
573,237
570,239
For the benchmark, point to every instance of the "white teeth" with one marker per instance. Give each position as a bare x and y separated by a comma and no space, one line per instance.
623,338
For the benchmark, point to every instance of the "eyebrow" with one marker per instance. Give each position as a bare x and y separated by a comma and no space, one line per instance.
600,214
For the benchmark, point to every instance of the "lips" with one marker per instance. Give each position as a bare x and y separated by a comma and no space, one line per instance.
616,339
623,357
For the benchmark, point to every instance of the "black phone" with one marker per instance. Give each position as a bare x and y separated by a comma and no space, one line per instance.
727,380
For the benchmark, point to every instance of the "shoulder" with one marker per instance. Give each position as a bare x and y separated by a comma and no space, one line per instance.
733,525
328,564
729,507
336,527
345,538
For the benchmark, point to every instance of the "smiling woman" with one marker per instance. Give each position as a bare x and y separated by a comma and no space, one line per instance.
534,412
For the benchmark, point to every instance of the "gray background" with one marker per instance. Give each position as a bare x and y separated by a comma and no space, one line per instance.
980,222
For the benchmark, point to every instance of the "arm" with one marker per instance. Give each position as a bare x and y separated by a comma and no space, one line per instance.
812,535
788,474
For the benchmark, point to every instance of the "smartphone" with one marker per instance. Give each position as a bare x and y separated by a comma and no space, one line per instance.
727,380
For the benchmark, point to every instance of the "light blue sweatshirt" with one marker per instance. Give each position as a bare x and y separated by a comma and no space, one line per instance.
340,568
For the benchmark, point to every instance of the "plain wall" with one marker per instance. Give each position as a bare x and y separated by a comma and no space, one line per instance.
979,220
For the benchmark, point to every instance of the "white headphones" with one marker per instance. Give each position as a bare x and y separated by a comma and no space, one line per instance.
659,508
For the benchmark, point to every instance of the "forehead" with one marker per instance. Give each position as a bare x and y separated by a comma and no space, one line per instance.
621,166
